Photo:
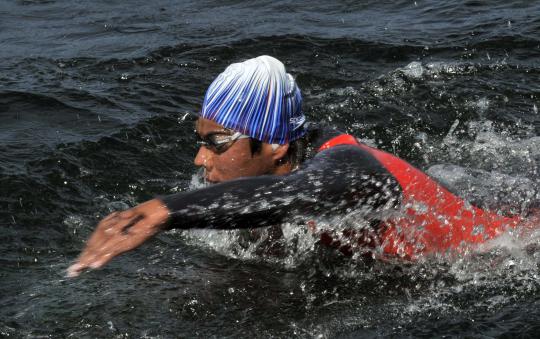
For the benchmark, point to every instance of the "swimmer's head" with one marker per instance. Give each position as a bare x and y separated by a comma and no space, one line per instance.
257,98
251,122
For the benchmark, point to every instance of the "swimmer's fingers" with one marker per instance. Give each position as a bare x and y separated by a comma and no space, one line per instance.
120,232
124,242
108,233
108,228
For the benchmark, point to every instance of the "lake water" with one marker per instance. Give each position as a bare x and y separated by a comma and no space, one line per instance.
94,103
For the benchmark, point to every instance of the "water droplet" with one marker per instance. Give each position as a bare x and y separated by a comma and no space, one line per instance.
478,229
414,70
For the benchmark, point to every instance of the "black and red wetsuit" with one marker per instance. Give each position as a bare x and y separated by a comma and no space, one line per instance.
341,176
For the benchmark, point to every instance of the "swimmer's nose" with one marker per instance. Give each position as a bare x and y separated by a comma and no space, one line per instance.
204,158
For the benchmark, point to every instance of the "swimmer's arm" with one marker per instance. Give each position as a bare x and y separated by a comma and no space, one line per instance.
249,202
330,183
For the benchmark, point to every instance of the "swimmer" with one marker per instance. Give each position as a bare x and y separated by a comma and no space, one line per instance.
268,165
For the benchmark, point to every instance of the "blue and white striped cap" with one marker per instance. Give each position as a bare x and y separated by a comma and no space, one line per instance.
257,98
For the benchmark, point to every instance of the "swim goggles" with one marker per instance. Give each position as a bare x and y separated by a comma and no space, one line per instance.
219,142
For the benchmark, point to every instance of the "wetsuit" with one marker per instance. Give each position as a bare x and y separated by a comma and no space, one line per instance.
410,213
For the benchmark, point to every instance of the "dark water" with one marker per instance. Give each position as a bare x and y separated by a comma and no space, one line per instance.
93,103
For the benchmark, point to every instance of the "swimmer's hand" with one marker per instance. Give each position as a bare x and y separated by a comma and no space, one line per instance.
120,232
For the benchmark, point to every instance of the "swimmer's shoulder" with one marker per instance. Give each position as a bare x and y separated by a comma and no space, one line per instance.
319,134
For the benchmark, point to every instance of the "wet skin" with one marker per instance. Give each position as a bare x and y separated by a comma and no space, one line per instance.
237,161
123,231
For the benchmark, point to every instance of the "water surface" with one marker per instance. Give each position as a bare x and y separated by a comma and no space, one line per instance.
93,103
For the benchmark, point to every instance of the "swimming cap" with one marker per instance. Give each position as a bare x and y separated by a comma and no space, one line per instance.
257,98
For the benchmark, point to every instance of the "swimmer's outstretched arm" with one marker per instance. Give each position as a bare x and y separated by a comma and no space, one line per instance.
337,179
334,180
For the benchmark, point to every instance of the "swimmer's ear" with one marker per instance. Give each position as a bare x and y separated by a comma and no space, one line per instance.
279,151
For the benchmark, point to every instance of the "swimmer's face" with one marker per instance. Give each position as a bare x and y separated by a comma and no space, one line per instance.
235,159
